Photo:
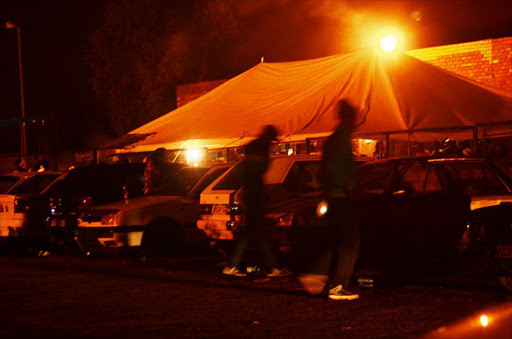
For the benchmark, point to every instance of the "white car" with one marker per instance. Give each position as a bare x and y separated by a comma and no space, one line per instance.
21,208
286,178
158,224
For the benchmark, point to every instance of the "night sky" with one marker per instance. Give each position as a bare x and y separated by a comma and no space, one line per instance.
54,35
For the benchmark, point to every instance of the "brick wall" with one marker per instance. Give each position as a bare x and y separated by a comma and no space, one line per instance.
486,61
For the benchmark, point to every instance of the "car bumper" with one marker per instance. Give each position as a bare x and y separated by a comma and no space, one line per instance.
21,227
100,238
219,229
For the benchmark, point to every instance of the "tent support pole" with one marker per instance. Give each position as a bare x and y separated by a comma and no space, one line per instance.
388,146
475,139
409,151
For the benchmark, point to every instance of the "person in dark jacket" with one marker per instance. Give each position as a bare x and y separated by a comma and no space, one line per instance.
255,163
339,180
155,180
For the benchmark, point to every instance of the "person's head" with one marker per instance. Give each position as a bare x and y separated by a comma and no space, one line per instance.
269,133
158,156
347,113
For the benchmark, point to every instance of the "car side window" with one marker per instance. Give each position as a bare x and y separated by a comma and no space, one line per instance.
414,180
373,178
433,183
303,177
476,178
421,178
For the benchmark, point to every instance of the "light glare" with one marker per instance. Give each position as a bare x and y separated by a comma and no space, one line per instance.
194,156
484,320
322,207
388,43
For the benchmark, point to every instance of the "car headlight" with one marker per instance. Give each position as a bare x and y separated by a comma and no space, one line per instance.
322,208
109,219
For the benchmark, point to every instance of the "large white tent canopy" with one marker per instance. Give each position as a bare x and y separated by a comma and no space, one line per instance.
397,95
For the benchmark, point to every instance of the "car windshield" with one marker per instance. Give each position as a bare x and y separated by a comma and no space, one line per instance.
185,179
232,181
6,182
35,184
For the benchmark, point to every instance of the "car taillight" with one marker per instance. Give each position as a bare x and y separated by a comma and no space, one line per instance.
55,205
205,209
110,219
234,209
21,206
84,203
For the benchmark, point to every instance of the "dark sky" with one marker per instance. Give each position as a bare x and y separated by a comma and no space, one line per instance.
54,34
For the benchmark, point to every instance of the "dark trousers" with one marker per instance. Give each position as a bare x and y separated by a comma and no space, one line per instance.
253,232
344,240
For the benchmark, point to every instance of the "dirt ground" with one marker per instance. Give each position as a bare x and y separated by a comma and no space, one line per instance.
122,297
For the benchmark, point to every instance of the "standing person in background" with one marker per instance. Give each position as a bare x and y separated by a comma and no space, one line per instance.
339,176
421,151
20,164
255,163
155,179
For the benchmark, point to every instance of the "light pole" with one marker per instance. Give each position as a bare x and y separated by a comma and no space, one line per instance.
10,25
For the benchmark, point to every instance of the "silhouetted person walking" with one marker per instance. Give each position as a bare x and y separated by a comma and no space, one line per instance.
255,163
339,180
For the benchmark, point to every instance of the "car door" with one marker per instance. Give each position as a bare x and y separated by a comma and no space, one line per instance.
416,218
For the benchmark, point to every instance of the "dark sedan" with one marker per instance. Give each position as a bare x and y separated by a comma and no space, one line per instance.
412,212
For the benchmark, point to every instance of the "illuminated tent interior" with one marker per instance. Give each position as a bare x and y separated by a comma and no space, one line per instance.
397,95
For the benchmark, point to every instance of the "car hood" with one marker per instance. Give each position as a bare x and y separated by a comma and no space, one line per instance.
138,202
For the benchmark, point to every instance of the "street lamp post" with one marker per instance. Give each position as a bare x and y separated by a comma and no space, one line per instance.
10,25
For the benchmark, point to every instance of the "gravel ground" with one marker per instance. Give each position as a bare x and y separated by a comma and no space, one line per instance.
77,297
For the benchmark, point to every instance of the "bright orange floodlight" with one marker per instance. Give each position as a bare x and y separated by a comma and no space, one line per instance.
388,43
389,40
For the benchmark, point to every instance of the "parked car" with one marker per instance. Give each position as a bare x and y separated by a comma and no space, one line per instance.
85,187
50,216
21,214
417,211
287,178
9,180
158,224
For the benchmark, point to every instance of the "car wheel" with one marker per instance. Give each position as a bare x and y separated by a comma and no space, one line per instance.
162,238
506,283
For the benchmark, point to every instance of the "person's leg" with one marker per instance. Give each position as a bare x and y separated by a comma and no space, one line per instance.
239,250
265,246
345,237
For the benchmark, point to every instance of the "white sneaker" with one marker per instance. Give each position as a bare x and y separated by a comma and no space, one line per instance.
338,293
276,272
233,271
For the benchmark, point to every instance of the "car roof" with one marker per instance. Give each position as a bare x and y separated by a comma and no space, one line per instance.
426,159
210,165
23,180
